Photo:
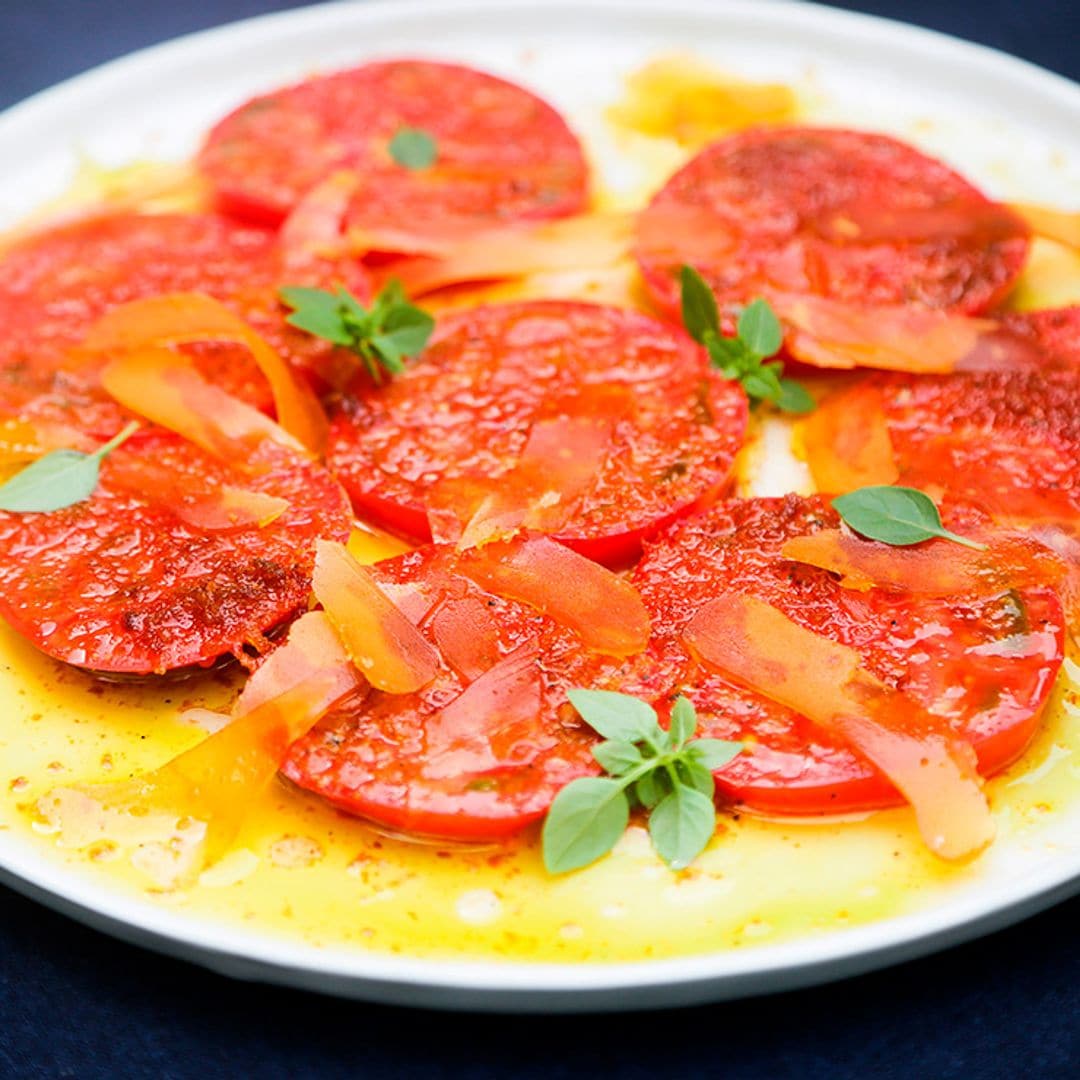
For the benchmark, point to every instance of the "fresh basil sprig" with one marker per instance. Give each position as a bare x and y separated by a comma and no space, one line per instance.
669,773
896,515
382,336
413,148
742,358
58,479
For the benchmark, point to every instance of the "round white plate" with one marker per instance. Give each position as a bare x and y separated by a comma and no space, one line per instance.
1010,125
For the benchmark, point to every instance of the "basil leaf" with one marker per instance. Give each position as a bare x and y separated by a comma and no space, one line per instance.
758,385
713,753
682,825
617,757
794,397
584,823
413,148
694,774
895,515
683,721
652,787
699,312
392,330
760,329
617,716
408,328
59,479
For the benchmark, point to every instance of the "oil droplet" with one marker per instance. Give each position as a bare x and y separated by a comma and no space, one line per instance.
478,907
295,852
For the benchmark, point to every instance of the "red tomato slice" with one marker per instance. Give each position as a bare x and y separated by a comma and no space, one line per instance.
122,584
55,285
1007,441
453,429
1053,333
481,751
983,664
502,153
856,217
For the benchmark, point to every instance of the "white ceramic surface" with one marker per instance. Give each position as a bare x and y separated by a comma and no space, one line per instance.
1012,126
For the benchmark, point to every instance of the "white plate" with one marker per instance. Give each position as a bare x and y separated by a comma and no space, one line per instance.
1010,125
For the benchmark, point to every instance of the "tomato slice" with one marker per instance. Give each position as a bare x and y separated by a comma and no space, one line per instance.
1009,441
501,152
984,665
855,217
481,751
56,284
462,424
122,584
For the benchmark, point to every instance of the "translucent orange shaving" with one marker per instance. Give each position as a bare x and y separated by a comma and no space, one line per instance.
1062,226
218,781
828,334
490,725
933,568
824,681
576,243
390,652
559,464
315,228
844,456
165,387
603,609
185,318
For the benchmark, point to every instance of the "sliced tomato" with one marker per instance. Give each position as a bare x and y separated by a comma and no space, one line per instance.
481,751
1009,441
983,665
453,430
1053,333
123,584
56,284
856,217
501,152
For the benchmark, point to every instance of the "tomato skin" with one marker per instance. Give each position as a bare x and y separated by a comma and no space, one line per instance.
455,423
121,585
391,760
502,153
922,646
781,202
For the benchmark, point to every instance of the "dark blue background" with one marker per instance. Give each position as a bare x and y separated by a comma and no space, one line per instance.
73,1003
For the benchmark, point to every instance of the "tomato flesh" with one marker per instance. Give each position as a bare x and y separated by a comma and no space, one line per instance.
121,584
481,751
985,664
451,429
502,153
853,216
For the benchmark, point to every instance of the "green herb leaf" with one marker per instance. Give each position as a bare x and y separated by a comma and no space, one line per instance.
413,148
382,336
759,329
895,515
617,757
742,358
713,753
584,823
59,479
666,774
617,716
682,825
652,787
699,311
683,721
794,398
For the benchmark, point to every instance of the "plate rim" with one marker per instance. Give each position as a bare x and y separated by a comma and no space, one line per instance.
528,986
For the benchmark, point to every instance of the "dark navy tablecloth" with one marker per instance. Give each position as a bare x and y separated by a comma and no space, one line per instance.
76,1004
